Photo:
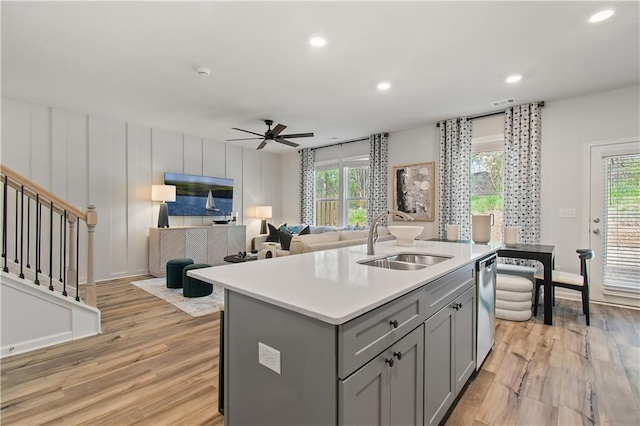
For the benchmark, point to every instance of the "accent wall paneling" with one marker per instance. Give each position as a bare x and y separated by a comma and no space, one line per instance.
88,159
140,211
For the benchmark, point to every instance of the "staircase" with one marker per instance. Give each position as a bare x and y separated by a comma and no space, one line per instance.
43,299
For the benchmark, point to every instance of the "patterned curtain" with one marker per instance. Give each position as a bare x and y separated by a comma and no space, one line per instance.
522,171
454,170
378,175
307,185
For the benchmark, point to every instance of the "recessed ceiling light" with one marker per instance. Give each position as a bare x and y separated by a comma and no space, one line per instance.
602,15
384,85
317,41
203,72
514,78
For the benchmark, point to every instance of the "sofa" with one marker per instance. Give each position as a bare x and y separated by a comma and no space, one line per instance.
316,241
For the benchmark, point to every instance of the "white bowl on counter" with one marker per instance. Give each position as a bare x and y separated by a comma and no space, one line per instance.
405,235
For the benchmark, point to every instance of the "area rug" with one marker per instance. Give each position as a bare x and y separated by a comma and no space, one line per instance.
194,306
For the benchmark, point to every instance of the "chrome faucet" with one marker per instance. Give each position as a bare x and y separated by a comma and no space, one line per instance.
373,230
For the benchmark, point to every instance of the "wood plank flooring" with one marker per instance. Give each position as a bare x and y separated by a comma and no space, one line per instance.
156,365
152,365
565,374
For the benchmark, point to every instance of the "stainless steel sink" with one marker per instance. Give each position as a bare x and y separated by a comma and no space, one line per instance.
422,259
391,264
405,261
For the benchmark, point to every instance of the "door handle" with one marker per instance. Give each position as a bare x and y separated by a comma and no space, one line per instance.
596,220
596,231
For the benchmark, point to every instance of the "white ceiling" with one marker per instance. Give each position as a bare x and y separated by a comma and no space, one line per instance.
136,61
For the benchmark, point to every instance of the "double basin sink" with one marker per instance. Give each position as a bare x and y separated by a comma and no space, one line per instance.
405,261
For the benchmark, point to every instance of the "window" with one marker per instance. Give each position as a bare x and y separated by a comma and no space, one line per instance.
486,182
622,222
341,192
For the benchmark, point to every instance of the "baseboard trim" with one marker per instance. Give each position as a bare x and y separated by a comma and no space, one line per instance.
33,344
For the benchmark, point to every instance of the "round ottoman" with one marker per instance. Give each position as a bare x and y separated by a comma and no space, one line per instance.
174,271
193,287
513,297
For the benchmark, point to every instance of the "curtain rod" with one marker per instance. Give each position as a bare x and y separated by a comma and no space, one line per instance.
341,143
489,114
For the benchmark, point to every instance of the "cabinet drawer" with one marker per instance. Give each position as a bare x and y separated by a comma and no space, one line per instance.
361,339
446,288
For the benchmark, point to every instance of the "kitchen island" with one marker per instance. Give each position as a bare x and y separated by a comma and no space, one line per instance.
319,338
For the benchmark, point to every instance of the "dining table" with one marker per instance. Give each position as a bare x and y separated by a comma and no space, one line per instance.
543,254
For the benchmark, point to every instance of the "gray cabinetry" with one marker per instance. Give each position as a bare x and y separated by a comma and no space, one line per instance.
465,338
393,365
388,389
449,354
366,336
203,244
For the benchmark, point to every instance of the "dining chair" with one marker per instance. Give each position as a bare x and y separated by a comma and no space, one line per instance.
578,282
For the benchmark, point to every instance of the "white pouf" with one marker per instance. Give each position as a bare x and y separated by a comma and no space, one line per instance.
513,306
513,283
513,297
506,314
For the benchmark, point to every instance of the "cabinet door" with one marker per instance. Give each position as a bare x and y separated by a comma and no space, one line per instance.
365,396
172,246
465,337
439,383
237,240
217,241
407,379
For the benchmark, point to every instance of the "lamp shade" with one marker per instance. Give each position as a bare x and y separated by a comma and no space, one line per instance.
264,212
163,193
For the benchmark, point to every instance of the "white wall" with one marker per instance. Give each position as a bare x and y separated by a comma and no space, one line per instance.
86,159
568,127
409,147
290,188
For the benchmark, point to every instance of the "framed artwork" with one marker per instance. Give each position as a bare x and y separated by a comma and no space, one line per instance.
414,190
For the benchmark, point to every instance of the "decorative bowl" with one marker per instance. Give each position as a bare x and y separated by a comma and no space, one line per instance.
405,234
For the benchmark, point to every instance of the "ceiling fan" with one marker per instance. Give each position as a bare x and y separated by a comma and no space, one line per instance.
273,135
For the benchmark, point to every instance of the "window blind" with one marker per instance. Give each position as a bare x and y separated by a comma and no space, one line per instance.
622,223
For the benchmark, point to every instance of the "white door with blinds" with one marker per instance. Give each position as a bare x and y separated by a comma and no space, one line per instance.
614,230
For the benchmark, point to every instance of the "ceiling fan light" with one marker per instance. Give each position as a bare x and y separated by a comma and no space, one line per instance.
317,41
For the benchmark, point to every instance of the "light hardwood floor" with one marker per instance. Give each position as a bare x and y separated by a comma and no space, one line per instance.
156,365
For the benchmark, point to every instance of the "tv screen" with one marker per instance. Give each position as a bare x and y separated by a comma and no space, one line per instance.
200,195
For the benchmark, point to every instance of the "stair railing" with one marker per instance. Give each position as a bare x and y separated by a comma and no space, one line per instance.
29,243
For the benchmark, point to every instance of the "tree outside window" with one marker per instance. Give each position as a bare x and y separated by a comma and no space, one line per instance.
486,186
341,193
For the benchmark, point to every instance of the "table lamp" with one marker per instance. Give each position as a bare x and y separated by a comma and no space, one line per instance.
264,213
163,193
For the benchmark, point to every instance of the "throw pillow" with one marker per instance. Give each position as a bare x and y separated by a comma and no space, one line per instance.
273,234
285,239
305,231
284,228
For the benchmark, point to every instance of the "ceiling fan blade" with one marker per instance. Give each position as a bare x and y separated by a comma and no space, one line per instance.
247,131
286,142
262,144
244,139
278,129
298,135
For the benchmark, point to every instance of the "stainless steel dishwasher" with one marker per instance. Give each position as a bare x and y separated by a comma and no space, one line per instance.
486,270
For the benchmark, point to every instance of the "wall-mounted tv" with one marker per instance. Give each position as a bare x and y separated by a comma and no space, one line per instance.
200,195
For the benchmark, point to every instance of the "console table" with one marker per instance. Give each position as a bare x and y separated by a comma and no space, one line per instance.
204,244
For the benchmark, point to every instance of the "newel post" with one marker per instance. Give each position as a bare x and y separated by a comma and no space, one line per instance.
91,295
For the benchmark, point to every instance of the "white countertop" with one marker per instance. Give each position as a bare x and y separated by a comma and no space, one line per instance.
330,285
